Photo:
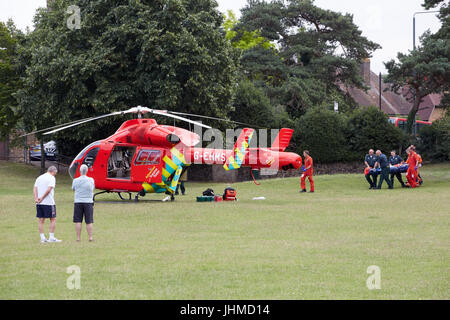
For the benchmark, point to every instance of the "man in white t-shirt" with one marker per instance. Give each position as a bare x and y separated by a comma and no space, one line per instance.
84,187
44,191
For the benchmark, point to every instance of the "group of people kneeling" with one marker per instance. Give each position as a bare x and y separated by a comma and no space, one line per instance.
377,164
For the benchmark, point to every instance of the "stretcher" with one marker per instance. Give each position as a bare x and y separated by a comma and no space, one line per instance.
398,168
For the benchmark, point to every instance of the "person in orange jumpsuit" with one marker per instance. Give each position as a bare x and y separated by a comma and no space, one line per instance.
307,172
411,174
419,164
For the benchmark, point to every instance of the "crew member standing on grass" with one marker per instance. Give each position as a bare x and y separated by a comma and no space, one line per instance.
370,160
307,172
395,159
419,165
383,163
411,174
84,202
181,181
44,196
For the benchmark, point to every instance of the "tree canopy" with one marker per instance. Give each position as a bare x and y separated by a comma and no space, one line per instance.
317,49
162,54
283,63
9,77
426,69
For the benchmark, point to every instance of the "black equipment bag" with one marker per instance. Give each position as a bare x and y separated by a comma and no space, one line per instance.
208,193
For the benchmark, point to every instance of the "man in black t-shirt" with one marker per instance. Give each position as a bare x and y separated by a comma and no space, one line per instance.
370,160
395,159
383,163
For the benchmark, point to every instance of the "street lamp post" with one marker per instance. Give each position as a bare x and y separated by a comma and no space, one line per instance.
414,48
414,24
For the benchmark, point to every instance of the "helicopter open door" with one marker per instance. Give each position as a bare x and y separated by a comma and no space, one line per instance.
147,165
119,162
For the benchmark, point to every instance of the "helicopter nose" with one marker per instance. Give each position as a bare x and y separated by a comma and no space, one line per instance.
289,160
297,163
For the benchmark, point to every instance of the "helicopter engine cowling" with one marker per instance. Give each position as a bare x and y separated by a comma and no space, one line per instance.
148,132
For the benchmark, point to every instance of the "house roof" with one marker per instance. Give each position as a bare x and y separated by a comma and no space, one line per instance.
391,102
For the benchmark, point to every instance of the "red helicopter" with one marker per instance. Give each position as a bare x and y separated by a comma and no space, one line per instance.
143,156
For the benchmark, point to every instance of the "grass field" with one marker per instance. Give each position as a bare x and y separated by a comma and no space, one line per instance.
289,246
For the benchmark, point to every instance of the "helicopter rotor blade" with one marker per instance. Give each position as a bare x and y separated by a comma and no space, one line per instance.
54,127
88,120
214,118
138,109
169,114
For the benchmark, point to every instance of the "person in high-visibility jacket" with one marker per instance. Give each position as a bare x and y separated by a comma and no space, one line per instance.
181,181
307,172
419,164
411,174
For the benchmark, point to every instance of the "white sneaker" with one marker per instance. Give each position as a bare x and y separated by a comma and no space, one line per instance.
54,240
44,240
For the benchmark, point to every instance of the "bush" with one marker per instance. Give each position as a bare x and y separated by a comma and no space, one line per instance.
434,140
251,105
369,128
334,137
322,132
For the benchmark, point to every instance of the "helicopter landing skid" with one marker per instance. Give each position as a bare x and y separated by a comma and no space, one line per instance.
129,198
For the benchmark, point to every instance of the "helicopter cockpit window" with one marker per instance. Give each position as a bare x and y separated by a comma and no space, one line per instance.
81,154
90,157
119,162
148,157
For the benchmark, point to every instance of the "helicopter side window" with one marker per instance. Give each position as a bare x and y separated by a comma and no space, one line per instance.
119,162
148,157
142,157
90,157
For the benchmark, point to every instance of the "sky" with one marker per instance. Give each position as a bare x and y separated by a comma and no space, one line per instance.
386,22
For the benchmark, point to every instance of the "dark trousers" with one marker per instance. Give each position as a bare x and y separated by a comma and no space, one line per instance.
372,179
399,178
385,176
180,185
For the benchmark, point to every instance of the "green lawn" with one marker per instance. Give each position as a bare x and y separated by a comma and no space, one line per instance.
289,246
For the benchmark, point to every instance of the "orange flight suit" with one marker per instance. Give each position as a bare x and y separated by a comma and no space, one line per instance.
308,173
419,163
411,174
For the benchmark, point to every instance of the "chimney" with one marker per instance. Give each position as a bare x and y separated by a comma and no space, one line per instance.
365,70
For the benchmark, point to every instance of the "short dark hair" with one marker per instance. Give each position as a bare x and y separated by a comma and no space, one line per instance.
306,151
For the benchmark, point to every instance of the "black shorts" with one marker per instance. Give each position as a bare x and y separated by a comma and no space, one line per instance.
85,210
45,211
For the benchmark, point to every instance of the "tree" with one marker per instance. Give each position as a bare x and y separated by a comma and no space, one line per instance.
444,10
252,105
247,39
162,54
434,143
425,70
326,42
321,131
9,77
317,50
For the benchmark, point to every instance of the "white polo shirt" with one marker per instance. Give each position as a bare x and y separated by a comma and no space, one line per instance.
42,183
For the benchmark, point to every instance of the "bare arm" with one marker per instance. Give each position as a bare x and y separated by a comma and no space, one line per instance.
36,198
45,194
